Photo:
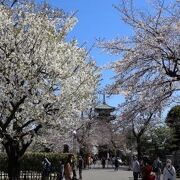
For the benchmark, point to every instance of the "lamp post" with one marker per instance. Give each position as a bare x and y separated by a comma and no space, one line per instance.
74,141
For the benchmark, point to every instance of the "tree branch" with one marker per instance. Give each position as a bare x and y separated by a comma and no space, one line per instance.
15,108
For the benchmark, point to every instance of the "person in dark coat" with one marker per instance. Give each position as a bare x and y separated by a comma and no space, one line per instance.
157,166
116,164
46,169
103,162
74,168
80,166
61,170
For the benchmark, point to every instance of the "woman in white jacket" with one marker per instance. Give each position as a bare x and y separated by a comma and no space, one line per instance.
169,172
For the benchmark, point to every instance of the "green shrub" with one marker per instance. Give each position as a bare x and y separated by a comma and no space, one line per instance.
32,161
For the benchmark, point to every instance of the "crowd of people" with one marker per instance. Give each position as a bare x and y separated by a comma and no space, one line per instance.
67,169
148,170
144,169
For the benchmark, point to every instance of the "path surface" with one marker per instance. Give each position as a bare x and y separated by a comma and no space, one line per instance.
107,174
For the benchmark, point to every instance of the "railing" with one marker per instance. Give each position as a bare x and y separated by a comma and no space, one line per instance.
178,172
29,175
3,175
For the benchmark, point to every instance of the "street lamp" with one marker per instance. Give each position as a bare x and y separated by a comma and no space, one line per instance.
74,141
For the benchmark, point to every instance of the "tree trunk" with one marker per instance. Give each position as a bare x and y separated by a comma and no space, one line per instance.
13,168
13,161
138,140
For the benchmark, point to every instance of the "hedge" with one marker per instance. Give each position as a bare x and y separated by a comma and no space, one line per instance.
32,161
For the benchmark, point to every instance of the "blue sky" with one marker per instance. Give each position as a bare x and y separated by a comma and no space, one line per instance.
96,19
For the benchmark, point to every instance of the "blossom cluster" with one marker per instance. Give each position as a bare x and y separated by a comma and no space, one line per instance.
43,78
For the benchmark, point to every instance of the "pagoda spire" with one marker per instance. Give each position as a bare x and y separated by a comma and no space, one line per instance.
104,110
104,97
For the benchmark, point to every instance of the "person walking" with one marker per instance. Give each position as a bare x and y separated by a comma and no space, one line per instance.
61,170
80,166
68,168
116,164
169,172
103,162
89,161
74,167
147,173
94,160
136,168
157,165
46,168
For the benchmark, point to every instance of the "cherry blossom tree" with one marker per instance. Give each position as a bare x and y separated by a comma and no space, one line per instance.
148,72
43,79
149,62
137,120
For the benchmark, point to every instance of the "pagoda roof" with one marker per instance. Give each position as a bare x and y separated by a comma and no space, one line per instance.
104,106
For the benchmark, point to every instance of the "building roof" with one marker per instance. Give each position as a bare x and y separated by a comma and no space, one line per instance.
104,106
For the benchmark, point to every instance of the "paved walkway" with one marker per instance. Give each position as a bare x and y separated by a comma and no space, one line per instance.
107,174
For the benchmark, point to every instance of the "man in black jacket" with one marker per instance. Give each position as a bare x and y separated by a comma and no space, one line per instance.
80,166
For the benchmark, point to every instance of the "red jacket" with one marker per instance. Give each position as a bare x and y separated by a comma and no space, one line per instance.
148,169
148,175
151,177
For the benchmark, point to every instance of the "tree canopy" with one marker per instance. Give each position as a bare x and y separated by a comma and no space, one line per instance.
173,115
149,65
173,121
44,79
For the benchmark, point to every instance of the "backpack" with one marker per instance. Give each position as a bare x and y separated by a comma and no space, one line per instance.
156,166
